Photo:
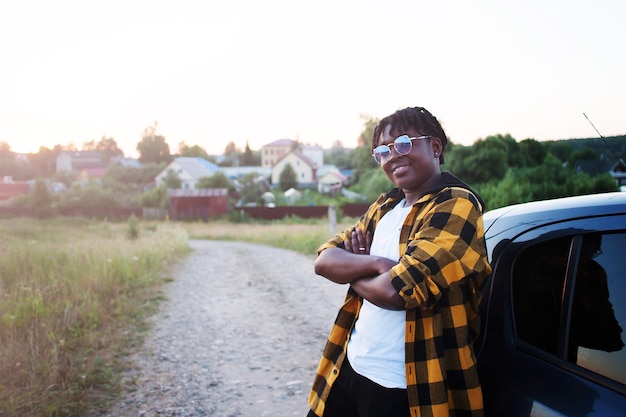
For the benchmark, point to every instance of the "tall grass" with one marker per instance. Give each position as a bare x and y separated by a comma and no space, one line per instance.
70,290
74,295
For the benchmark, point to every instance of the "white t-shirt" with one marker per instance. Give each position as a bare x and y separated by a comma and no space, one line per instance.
376,346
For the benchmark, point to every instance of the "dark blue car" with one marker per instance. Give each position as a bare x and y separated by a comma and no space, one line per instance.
554,309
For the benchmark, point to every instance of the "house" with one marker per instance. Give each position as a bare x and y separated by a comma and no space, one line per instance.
303,166
618,172
197,203
331,182
593,167
86,164
274,151
189,170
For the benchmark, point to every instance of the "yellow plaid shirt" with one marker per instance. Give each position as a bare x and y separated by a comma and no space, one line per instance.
443,264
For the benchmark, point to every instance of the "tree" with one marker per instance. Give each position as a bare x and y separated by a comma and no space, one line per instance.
534,151
106,146
172,180
247,159
155,198
485,161
43,163
194,151
252,189
153,147
40,199
7,160
217,180
230,149
338,155
362,160
585,154
288,178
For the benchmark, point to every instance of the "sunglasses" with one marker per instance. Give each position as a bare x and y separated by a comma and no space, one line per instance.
402,145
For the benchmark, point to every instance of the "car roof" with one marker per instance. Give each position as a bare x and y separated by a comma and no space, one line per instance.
506,222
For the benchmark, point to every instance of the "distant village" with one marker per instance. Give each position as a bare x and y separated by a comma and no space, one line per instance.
306,161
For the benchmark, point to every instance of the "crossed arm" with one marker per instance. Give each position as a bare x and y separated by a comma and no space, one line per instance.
367,274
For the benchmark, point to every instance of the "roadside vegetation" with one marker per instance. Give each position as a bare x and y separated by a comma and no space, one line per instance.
74,296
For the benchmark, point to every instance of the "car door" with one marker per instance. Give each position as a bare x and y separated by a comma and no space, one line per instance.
555,315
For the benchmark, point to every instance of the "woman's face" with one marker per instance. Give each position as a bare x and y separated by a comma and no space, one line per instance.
416,171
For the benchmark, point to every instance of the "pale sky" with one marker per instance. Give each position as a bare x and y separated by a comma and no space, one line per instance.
212,72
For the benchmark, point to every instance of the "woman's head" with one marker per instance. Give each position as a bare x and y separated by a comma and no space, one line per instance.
411,118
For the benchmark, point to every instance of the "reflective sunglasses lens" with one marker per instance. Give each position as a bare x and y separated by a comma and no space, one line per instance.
402,144
381,154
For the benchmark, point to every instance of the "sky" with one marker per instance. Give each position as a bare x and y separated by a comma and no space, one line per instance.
248,71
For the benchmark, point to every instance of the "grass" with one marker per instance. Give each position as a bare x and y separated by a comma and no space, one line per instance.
70,290
75,295
303,236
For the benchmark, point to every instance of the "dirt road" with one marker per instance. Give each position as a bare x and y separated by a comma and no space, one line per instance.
240,335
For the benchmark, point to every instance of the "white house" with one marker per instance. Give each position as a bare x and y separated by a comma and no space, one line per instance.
274,151
331,182
303,166
189,170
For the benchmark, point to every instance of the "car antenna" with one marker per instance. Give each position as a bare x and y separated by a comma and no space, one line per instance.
604,140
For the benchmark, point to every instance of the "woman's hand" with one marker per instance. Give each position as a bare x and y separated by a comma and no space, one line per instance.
358,243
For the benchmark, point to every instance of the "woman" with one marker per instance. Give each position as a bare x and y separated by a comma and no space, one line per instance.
415,262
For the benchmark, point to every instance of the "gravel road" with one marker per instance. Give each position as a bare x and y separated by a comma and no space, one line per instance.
239,335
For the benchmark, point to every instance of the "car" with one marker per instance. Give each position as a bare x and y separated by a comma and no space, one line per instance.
553,310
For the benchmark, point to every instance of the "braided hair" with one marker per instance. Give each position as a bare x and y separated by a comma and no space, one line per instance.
417,118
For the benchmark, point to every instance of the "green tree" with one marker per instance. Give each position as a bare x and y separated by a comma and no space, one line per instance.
287,178
585,154
362,160
372,184
194,151
153,147
172,180
338,155
40,200
247,159
43,163
91,199
7,160
252,188
155,198
534,151
560,149
106,146
485,161
217,180
135,178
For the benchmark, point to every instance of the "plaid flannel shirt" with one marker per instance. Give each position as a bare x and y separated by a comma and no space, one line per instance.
442,266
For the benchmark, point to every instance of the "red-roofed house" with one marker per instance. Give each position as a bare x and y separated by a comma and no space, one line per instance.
274,151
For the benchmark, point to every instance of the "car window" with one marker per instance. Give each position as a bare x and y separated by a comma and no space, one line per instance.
599,307
538,279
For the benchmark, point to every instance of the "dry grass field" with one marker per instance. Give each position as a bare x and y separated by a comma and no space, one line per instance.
75,293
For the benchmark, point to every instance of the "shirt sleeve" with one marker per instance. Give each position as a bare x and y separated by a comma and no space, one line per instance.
445,246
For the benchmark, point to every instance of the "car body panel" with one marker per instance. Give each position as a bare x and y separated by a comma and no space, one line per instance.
520,379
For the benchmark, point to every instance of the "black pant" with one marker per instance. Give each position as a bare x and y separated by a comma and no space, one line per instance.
353,395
